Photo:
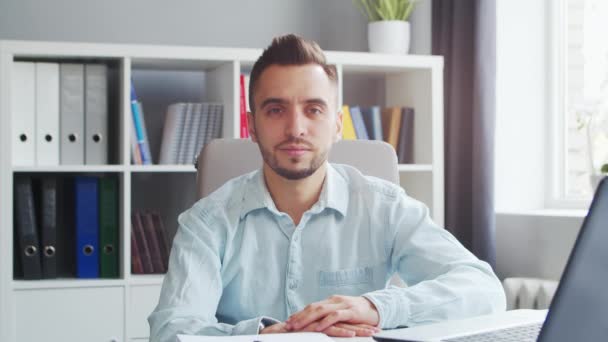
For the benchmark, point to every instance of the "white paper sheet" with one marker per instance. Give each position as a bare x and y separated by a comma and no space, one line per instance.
292,337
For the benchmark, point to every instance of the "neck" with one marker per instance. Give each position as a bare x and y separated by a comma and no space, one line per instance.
294,197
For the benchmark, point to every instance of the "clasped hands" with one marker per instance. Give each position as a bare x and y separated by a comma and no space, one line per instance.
337,316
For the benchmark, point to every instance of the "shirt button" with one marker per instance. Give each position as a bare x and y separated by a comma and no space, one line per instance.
296,238
293,285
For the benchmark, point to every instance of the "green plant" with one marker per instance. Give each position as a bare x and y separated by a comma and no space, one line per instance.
604,168
376,10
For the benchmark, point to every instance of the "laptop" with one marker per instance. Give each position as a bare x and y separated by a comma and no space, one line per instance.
578,311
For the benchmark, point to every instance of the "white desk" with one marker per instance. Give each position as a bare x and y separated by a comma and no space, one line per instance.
476,324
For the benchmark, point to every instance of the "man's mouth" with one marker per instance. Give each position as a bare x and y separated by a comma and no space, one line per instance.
294,150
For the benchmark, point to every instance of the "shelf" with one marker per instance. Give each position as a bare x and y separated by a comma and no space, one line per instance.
70,168
162,168
415,167
65,283
146,279
163,75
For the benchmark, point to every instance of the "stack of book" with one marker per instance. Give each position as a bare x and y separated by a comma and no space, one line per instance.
149,244
59,113
395,125
66,226
188,127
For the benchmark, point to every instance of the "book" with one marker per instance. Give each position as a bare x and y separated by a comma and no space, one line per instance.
138,122
192,135
172,133
145,152
135,152
136,265
163,241
218,118
391,124
405,148
153,243
373,122
360,130
142,243
203,108
183,141
348,130
243,109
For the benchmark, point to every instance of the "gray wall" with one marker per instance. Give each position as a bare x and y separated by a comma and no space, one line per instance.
534,244
335,24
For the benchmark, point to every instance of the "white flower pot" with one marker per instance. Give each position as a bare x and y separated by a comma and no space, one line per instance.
389,36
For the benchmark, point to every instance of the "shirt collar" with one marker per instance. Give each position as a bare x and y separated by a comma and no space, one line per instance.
334,194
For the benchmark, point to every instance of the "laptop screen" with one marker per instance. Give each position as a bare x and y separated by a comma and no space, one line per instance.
580,308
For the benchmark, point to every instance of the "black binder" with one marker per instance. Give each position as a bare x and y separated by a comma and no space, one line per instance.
26,228
48,226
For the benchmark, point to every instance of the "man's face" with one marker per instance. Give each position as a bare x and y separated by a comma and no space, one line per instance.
295,121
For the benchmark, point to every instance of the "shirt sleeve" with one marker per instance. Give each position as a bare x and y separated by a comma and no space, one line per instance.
445,280
192,286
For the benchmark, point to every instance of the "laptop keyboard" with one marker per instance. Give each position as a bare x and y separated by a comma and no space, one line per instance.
522,333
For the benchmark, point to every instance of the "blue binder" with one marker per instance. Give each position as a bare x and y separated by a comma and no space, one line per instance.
87,227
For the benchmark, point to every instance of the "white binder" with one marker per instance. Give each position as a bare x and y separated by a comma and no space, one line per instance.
23,109
71,90
96,114
47,113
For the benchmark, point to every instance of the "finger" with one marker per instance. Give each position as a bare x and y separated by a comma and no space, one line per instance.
333,318
339,332
307,310
311,313
363,330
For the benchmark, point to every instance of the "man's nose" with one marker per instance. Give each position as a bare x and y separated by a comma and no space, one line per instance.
296,124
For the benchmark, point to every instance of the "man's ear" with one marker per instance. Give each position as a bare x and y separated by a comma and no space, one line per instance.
251,127
339,126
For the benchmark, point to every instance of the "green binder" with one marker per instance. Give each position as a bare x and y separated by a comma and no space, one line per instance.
108,227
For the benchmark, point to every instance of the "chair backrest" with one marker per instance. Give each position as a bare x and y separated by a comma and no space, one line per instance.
223,159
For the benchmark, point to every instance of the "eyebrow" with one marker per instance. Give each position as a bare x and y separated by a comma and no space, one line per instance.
276,100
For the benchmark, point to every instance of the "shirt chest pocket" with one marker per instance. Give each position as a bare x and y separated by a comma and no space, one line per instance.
346,277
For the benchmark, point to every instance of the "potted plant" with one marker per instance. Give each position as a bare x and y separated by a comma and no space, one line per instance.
596,178
388,30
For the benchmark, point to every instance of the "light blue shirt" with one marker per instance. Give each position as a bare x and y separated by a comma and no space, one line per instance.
237,259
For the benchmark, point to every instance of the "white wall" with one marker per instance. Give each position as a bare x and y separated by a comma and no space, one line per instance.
521,93
530,242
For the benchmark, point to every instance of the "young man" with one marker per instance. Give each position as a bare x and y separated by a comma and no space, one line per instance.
303,245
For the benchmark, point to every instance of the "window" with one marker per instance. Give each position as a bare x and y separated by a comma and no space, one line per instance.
580,98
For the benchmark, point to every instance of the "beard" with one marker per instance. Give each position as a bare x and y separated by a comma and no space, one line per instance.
272,161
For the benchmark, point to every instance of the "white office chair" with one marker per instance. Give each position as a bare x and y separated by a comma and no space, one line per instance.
223,159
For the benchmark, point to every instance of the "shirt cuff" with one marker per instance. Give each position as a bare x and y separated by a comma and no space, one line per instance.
252,326
393,308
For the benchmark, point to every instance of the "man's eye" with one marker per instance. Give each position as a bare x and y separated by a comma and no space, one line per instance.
274,110
315,110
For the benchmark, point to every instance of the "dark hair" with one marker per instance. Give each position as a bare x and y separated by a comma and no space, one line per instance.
289,50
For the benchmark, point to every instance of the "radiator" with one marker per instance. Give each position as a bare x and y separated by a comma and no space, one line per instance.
529,293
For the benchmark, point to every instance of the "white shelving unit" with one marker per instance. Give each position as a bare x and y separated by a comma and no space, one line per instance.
116,309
